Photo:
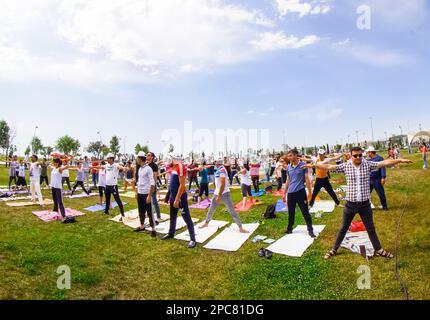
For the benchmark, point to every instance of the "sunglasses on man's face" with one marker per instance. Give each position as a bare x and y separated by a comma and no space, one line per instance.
358,155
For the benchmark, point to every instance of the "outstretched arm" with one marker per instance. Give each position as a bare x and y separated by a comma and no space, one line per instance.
389,163
321,166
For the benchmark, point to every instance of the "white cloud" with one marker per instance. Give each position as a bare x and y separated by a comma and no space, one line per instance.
109,41
321,113
371,55
269,41
302,8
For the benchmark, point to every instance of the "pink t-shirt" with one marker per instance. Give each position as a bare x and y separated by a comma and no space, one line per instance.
424,150
254,170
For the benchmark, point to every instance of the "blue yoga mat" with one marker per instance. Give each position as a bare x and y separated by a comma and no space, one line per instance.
98,207
281,207
258,194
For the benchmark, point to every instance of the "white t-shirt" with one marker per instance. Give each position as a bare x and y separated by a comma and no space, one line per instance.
245,178
146,180
102,178
66,174
35,171
56,178
221,172
21,171
112,172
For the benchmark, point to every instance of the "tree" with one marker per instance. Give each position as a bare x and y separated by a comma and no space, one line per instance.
4,135
114,145
27,151
96,148
36,145
46,151
105,151
139,148
171,148
68,145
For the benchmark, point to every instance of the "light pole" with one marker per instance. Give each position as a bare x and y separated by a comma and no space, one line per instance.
125,140
371,125
356,132
100,135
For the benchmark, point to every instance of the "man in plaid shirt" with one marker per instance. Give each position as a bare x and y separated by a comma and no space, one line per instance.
357,172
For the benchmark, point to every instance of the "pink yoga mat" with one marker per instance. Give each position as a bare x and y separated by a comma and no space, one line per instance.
48,216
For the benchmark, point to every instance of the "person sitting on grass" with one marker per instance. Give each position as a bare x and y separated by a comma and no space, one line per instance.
358,172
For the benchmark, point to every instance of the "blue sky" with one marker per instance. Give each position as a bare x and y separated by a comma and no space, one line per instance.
135,68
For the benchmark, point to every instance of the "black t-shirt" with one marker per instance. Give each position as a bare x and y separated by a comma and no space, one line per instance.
211,170
154,167
284,176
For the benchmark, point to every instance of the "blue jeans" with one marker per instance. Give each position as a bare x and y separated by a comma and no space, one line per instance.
425,161
155,203
377,185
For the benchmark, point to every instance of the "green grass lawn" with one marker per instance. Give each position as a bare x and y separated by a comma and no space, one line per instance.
109,261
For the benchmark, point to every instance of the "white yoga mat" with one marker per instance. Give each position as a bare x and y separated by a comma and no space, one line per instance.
231,239
324,206
82,195
296,244
15,198
202,235
164,227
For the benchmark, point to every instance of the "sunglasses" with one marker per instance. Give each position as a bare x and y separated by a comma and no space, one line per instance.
358,155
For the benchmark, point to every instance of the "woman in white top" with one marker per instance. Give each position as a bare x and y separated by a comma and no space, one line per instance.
65,174
35,180
102,182
57,186
245,182
22,183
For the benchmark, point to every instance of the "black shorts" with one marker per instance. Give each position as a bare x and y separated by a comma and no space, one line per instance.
246,190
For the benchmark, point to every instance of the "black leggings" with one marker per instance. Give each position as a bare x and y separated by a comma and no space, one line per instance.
145,209
323,183
256,183
44,179
66,180
57,196
279,184
13,178
298,198
113,190
80,184
194,179
204,189
102,191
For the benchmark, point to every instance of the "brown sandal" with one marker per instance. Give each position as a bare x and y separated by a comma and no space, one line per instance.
384,254
330,254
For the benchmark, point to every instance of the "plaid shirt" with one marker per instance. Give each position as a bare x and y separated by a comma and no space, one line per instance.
358,179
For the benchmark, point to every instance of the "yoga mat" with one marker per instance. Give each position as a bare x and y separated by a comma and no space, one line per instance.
202,235
258,194
281,206
46,202
231,239
278,193
296,244
98,207
239,206
163,228
211,191
205,204
48,216
15,192
82,195
129,194
324,206
134,215
15,198
353,241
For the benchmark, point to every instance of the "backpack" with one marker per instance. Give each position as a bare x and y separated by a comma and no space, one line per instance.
69,220
270,212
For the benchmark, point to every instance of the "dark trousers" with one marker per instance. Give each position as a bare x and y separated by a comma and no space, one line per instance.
44,179
323,183
101,191
185,212
364,209
145,209
13,178
57,197
294,199
66,180
194,179
95,177
377,185
80,184
256,183
279,184
113,190
204,189
272,171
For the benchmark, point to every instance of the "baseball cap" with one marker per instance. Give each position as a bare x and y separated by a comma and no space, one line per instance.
321,151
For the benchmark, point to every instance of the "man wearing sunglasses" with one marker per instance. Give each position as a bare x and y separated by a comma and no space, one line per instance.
358,172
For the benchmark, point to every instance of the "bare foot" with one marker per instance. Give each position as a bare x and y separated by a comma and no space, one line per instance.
204,226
